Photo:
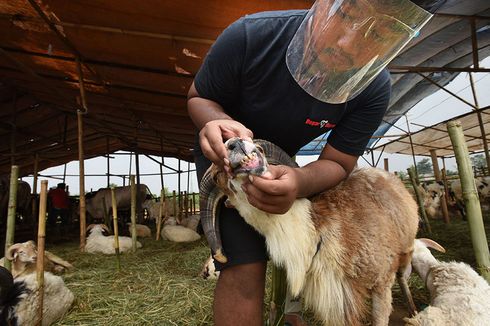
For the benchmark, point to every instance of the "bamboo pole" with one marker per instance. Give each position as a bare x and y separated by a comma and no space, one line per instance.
160,213
174,202
437,176
279,287
186,205
418,196
470,197
386,165
133,212
41,238
116,230
83,217
12,210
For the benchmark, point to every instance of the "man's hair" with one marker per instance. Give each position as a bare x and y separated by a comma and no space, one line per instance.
61,185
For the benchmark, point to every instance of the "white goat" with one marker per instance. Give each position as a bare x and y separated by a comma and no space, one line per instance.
208,271
97,242
338,248
24,257
142,231
57,299
459,296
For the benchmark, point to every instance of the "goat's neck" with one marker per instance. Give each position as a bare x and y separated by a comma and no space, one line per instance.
291,238
422,264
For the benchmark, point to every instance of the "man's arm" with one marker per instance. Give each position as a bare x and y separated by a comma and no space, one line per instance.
215,126
276,192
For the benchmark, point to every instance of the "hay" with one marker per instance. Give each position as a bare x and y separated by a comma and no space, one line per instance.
159,285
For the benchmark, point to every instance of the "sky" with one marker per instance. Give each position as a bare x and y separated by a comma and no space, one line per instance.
438,107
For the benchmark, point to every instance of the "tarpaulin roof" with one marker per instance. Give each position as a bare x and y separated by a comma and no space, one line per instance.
437,138
138,60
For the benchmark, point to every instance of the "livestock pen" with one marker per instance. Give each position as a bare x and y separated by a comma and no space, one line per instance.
160,283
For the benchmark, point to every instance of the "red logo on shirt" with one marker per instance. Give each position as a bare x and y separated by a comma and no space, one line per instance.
321,124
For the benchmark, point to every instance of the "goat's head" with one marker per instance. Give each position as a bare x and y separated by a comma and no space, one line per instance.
25,252
246,158
98,229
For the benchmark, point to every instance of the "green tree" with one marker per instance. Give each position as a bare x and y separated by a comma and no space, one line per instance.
424,166
479,161
402,174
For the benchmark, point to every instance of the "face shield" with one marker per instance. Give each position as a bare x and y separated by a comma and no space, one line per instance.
342,45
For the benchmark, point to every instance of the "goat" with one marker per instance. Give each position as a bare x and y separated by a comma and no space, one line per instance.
20,297
339,248
24,257
459,296
97,242
142,231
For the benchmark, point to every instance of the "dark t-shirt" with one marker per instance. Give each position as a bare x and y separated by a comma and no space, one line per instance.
245,72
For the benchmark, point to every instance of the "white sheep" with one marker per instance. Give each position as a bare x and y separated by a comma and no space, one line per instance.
142,231
179,233
339,248
24,257
208,271
97,242
459,296
57,299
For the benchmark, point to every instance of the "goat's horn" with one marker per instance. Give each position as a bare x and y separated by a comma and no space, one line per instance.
429,243
275,155
90,227
10,252
209,199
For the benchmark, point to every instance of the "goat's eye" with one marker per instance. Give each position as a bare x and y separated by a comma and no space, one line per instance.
232,146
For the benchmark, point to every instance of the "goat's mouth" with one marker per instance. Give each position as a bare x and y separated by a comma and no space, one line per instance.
245,157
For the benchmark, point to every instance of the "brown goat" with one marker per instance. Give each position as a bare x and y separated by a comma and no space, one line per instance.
339,248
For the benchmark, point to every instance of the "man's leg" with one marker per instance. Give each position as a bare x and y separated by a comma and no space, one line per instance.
239,295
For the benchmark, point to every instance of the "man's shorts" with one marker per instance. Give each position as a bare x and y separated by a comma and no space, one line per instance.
241,243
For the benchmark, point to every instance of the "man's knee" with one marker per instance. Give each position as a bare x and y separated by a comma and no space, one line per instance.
248,280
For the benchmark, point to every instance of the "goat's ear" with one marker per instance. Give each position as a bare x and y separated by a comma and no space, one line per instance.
31,243
12,251
432,244
90,227
105,227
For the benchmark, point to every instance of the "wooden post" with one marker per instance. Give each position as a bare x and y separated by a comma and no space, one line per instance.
160,213
420,200
12,210
387,167
437,176
116,230
174,203
279,287
41,238
138,182
470,197
186,205
133,211
83,217
34,186
194,203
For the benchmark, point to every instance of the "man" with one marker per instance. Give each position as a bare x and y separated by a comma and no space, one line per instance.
59,205
289,77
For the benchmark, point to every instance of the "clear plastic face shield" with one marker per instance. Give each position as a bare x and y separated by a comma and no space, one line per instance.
342,45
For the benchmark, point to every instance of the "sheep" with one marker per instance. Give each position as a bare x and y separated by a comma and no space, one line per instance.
208,271
179,233
142,231
339,247
459,296
97,242
20,298
24,256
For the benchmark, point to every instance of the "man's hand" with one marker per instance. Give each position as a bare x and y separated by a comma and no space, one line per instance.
213,135
275,192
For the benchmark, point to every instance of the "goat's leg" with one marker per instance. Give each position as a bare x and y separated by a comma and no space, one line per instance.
381,309
402,282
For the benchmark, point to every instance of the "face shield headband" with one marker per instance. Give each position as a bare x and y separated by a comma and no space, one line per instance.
342,45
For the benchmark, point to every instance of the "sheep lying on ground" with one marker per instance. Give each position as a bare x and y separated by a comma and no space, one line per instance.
208,271
142,231
171,231
98,242
459,296
338,248
20,299
24,257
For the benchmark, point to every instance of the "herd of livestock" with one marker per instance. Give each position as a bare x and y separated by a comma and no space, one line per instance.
450,284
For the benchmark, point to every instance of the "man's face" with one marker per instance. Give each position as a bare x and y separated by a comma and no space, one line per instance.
349,34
